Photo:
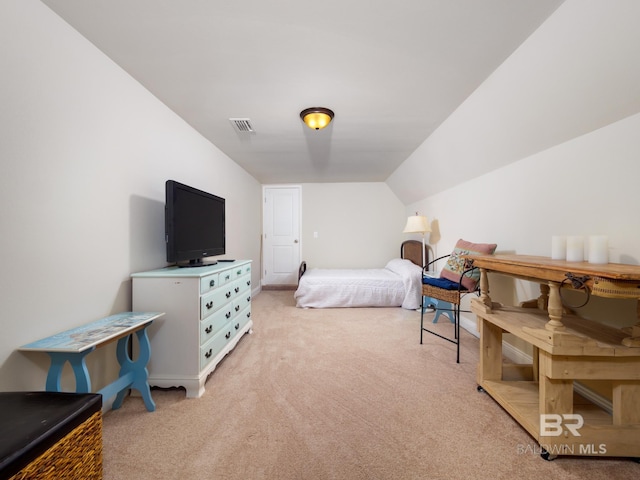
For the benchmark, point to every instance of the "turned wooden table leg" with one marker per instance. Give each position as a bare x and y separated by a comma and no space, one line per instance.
484,288
542,302
555,308
634,331
543,299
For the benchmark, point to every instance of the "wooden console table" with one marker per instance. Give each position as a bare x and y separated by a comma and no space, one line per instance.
74,345
566,349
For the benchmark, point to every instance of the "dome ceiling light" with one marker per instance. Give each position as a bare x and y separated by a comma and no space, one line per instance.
316,117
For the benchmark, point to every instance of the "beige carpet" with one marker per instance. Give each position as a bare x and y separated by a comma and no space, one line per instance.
335,394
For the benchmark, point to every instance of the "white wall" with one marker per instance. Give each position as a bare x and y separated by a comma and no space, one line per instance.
585,186
85,152
559,120
577,73
359,225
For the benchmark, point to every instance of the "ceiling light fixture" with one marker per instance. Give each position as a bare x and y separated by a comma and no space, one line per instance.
316,117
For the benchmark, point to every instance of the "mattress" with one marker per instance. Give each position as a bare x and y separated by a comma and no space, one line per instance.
398,284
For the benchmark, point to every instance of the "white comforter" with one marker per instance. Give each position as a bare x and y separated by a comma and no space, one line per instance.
399,283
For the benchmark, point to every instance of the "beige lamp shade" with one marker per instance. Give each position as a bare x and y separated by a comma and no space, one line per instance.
417,224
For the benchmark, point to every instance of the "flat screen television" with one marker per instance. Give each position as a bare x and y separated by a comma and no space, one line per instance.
194,225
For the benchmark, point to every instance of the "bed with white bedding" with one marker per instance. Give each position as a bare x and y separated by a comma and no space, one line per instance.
398,284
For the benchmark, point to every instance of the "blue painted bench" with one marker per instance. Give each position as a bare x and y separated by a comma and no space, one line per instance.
74,345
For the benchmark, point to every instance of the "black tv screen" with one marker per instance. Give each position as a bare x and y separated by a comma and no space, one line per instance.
194,225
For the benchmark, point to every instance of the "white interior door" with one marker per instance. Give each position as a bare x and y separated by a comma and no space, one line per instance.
281,235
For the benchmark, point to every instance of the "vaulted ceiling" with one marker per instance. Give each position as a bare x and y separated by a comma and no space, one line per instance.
391,71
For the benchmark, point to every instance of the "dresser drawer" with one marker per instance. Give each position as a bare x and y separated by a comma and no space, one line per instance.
208,283
214,323
244,282
226,277
236,288
239,287
210,349
240,320
213,301
243,299
241,271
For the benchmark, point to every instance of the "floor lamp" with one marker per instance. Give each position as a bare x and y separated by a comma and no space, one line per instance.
418,224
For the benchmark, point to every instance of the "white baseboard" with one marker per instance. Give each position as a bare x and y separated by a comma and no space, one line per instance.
518,356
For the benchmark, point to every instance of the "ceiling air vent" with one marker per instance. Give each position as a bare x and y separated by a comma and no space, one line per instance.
242,125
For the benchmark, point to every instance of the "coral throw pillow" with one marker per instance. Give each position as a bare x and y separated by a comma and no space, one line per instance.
456,264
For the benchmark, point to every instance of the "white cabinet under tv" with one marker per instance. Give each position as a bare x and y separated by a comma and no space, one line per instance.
207,311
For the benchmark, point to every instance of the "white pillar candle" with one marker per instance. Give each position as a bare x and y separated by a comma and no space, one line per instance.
558,247
575,249
598,249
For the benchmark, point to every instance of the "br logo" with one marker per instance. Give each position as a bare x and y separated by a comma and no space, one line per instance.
553,424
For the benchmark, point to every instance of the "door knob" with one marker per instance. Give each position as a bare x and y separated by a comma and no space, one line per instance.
295,241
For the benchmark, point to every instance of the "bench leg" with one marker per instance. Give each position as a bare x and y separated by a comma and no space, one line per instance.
136,370
79,366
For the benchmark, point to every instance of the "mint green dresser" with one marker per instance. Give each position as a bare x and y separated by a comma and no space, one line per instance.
207,311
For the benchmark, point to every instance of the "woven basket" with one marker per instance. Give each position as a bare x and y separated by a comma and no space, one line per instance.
605,287
77,456
451,296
